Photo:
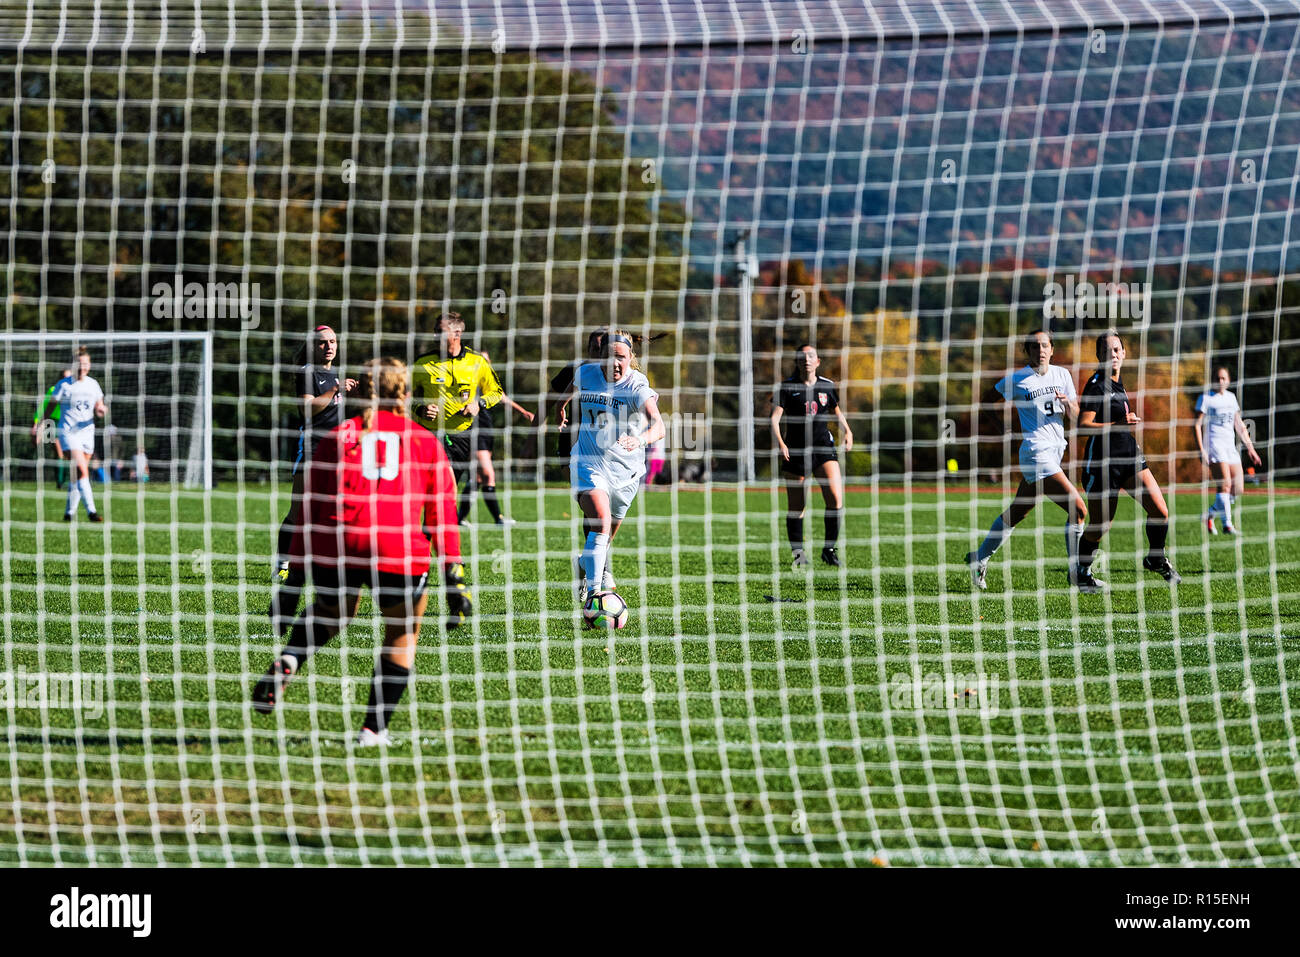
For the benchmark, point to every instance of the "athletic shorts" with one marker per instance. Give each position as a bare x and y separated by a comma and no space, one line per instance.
1037,464
83,440
806,460
485,440
305,451
388,588
459,447
1226,453
587,478
1112,476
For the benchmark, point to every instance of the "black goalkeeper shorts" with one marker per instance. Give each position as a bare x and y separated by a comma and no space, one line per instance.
387,588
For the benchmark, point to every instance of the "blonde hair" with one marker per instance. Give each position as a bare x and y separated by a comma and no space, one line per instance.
619,335
382,384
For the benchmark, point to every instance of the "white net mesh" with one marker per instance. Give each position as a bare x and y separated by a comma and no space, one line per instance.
903,184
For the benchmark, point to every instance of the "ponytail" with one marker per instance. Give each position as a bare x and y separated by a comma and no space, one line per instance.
382,385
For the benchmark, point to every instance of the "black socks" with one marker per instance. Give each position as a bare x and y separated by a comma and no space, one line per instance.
385,691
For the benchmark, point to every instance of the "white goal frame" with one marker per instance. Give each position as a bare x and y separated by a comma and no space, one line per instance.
205,386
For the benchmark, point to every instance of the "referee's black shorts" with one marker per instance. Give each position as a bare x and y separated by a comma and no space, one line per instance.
459,447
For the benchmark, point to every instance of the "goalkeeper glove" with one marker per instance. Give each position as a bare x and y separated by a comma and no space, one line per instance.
459,601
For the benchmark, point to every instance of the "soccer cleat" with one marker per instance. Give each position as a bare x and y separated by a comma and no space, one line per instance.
506,521
465,524
96,517
67,516
1230,530
1086,583
373,739
270,688
978,569
830,556
1162,568
1212,528
800,559
609,583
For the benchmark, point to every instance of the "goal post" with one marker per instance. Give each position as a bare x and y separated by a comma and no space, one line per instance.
157,385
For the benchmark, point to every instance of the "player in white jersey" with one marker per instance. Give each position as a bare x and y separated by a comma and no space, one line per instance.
80,401
1042,394
617,417
1218,423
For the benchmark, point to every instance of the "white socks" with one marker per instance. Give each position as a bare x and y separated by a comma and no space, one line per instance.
1073,532
594,554
86,496
998,534
1223,505
77,491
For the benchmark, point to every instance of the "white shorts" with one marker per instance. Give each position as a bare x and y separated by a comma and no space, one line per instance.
83,440
1037,464
586,478
1226,453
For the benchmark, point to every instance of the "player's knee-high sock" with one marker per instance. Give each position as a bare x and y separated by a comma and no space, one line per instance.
386,689
284,540
833,526
794,529
1223,504
1157,532
1087,550
466,499
998,534
490,500
86,496
284,601
74,498
1073,532
60,473
609,564
308,635
593,558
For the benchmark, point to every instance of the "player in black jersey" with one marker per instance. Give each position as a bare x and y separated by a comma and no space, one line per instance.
808,404
1113,462
320,396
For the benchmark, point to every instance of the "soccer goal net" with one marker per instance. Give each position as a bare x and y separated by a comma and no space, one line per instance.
812,670
158,390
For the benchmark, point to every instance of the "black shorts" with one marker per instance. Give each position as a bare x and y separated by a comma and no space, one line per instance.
388,588
485,440
306,446
1112,476
459,447
805,461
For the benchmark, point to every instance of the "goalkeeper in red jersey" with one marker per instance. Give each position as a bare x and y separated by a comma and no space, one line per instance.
378,492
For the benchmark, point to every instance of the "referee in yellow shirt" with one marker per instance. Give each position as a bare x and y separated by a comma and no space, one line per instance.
449,388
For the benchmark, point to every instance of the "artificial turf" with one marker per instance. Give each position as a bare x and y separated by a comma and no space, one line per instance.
748,714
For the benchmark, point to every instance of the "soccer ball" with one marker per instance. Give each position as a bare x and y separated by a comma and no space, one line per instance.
605,609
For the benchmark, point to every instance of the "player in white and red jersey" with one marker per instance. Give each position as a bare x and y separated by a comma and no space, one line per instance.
378,492
1218,423
1042,394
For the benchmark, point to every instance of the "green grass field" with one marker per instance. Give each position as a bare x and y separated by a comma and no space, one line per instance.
747,714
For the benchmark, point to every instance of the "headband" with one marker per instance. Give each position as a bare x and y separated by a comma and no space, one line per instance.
614,337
